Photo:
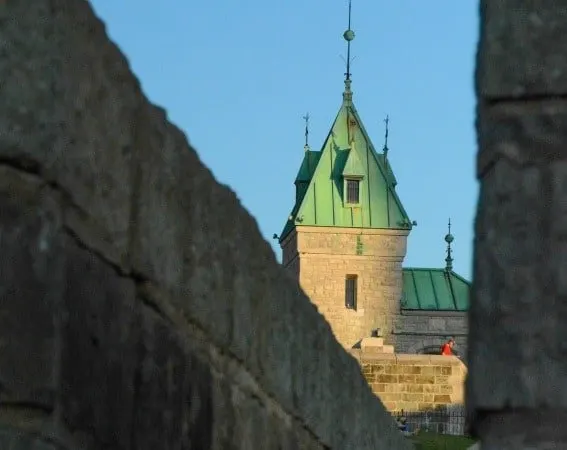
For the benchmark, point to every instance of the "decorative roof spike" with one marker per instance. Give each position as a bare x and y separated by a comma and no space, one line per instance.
449,259
306,118
348,36
385,149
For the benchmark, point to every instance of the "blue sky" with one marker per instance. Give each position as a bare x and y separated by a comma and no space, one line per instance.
237,77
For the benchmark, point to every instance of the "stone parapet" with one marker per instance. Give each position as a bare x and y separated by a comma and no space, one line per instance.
141,308
414,383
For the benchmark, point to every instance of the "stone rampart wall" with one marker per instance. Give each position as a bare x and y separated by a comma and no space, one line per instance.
140,307
418,332
414,383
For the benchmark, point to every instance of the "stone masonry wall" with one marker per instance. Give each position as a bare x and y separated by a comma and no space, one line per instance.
414,382
516,392
327,255
140,308
416,331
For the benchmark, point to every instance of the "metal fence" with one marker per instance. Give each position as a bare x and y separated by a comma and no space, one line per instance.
450,421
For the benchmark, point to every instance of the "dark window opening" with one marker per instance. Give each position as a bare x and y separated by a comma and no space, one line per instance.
350,291
352,191
434,350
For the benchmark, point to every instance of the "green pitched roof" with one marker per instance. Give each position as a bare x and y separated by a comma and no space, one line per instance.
353,165
308,165
434,290
347,151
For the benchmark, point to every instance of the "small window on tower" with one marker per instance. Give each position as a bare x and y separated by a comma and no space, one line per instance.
353,192
351,291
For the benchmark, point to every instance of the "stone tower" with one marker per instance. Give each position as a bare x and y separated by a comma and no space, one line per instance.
345,239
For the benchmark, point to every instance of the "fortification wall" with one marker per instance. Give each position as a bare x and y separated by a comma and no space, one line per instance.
418,332
140,306
414,383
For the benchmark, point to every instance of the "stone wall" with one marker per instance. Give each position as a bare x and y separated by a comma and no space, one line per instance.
326,256
414,382
417,332
140,306
516,392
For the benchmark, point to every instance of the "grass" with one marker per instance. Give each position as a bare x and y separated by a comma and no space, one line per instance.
431,441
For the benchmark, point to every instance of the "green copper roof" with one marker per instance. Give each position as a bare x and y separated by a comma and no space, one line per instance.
353,165
308,165
434,290
346,152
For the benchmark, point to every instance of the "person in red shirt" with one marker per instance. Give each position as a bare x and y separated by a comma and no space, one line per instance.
447,347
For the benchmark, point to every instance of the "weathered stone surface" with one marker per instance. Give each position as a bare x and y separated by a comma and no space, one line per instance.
31,282
419,332
61,81
13,439
223,413
174,398
526,262
141,210
521,50
308,374
98,356
522,134
414,382
503,295
161,244
523,429
516,392
523,295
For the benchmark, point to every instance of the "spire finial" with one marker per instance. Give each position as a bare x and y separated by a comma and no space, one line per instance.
306,118
449,239
386,121
348,35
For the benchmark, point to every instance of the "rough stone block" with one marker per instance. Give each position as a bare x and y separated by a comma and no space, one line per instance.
174,398
443,398
177,241
31,283
161,247
98,352
371,342
526,257
63,96
189,252
282,342
312,377
522,52
251,424
14,439
522,134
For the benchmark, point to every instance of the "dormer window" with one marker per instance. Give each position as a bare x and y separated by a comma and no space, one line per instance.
352,191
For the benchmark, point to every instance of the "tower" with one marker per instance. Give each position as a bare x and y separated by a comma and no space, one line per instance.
345,239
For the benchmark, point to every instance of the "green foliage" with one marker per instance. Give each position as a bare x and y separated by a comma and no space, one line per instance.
432,441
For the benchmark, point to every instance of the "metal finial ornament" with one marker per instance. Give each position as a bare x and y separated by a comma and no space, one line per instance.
306,118
386,121
348,35
449,239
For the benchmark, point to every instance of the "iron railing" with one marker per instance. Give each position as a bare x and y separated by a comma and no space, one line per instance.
452,422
